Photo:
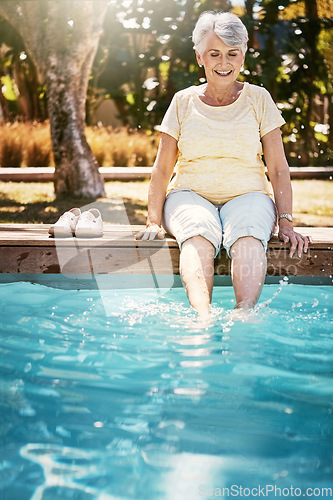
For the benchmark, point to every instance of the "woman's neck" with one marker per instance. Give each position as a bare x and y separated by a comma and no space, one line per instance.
221,96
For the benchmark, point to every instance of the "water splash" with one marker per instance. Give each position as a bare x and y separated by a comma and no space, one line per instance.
282,283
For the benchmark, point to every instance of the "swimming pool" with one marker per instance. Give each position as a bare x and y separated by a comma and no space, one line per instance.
121,394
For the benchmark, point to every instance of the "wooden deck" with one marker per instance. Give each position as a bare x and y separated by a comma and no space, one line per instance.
28,249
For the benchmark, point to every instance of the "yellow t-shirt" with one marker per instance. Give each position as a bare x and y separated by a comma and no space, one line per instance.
220,150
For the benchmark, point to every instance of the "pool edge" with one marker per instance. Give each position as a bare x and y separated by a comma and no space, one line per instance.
125,281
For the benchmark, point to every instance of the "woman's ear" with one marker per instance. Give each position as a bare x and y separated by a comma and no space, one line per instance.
199,59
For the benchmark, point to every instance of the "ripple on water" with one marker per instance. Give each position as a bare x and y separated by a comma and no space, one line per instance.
99,387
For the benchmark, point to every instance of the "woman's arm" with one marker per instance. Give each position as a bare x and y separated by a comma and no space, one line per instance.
160,178
279,175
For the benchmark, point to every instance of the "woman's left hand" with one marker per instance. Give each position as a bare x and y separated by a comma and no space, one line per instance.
299,243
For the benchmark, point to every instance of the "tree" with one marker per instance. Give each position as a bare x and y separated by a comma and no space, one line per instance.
61,37
286,57
17,69
306,79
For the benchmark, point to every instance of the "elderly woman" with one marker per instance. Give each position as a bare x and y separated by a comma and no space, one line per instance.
220,194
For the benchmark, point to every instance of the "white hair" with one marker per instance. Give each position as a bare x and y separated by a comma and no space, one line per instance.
228,27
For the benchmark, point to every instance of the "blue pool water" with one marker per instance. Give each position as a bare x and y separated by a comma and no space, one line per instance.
127,396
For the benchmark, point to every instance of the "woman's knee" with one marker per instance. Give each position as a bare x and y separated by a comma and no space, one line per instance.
248,248
188,215
195,251
248,215
201,244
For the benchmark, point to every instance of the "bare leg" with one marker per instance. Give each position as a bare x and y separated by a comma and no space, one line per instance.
248,270
197,272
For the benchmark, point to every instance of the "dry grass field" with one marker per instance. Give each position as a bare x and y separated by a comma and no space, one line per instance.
29,145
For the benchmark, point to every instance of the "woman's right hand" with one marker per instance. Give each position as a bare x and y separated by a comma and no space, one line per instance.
151,232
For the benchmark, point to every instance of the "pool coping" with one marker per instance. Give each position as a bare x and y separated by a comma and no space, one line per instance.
27,249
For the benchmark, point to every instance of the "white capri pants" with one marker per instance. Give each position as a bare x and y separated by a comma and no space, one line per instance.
187,214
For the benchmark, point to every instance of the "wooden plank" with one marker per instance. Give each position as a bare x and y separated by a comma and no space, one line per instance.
317,262
37,234
146,260
111,260
28,249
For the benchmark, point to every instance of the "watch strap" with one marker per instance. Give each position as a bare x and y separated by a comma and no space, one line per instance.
289,217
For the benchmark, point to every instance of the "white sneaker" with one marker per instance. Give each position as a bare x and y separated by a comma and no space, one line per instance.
66,224
90,224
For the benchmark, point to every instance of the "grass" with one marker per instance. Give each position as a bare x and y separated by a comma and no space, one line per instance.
313,202
33,203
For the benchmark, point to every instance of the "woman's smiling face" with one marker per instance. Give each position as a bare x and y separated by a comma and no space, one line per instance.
222,63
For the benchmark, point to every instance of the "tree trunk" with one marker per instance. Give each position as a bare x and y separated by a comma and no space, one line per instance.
249,4
66,74
62,37
23,98
76,170
329,160
311,12
4,106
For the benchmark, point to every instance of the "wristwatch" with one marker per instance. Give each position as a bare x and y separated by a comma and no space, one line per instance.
286,216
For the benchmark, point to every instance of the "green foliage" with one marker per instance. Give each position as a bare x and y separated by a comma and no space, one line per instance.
290,58
149,55
23,95
8,88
